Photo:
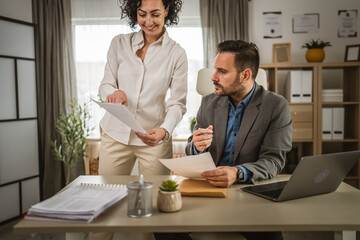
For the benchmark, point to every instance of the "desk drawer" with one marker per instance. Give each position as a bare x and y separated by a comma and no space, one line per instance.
301,113
302,131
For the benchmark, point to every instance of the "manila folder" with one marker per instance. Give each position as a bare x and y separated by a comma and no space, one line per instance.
201,188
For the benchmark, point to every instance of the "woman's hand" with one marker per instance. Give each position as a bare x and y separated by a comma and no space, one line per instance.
153,136
118,96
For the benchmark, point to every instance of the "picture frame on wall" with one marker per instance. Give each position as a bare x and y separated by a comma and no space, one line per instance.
306,23
281,52
352,53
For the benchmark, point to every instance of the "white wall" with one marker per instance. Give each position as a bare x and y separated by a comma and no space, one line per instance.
85,11
328,31
16,9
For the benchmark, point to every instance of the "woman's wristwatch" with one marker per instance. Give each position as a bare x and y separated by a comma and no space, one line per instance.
167,135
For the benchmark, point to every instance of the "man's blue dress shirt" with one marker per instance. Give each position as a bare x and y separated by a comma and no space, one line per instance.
233,126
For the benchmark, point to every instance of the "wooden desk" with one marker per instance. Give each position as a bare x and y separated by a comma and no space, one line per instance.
239,211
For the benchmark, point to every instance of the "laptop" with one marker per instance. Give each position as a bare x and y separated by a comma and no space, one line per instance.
314,175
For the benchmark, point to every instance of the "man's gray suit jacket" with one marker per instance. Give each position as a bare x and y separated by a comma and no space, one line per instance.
264,136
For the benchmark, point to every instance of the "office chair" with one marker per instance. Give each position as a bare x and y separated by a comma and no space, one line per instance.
204,85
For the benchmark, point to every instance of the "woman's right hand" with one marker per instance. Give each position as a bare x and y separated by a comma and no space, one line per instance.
117,97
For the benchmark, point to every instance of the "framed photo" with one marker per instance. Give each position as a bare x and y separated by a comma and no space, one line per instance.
352,53
281,52
306,23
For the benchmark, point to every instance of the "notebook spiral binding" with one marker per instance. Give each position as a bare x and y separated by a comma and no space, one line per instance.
103,185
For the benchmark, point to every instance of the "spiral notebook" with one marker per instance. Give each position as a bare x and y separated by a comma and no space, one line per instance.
82,202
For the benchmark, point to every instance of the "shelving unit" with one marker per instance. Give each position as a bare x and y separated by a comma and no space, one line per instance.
307,117
348,78
304,115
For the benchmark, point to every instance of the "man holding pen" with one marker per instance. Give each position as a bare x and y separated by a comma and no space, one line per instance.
246,129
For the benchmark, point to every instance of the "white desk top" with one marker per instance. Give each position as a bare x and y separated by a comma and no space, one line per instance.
239,211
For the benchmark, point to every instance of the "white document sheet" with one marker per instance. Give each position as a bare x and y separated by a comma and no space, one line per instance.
190,166
122,113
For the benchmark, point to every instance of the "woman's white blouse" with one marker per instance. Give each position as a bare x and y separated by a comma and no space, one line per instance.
145,84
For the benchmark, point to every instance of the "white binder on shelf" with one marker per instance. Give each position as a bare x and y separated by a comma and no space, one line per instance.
338,123
327,123
293,86
306,86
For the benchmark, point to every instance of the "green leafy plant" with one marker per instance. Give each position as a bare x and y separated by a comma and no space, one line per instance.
169,186
100,100
73,129
192,123
316,44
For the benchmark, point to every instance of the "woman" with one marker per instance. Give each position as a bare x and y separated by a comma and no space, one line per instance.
141,67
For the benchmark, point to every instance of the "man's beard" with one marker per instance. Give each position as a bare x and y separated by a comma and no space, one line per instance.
236,88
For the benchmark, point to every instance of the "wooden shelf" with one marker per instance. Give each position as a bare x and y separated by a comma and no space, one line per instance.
352,178
303,140
301,103
340,103
341,140
347,76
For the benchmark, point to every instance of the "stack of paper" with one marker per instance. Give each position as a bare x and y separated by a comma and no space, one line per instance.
78,203
332,95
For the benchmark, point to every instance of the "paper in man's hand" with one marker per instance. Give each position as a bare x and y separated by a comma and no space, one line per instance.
122,113
190,166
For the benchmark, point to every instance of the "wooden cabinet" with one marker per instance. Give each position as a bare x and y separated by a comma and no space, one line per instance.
303,113
302,116
307,116
344,76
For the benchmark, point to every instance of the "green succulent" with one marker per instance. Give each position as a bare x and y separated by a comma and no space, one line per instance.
316,44
169,186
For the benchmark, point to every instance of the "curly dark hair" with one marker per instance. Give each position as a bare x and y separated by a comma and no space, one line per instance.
129,11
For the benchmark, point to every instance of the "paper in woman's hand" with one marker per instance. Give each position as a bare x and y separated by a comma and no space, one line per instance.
122,113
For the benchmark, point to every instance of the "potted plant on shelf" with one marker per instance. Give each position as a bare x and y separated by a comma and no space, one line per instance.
73,129
315,52
169,197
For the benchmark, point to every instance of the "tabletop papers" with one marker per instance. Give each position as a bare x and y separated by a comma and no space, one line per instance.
190,166
82,202
122,113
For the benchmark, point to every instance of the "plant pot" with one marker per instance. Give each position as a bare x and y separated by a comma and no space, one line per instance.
169,201
315,55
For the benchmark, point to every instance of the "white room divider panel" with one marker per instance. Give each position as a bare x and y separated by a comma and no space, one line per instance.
7,89
19,141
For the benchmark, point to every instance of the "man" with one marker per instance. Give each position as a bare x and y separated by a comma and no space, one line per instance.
246,129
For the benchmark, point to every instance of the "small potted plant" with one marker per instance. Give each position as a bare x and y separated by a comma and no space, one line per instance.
169,197
315,52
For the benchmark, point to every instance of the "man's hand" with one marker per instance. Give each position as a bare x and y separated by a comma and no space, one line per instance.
152,137
202,138
117,97
222,176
